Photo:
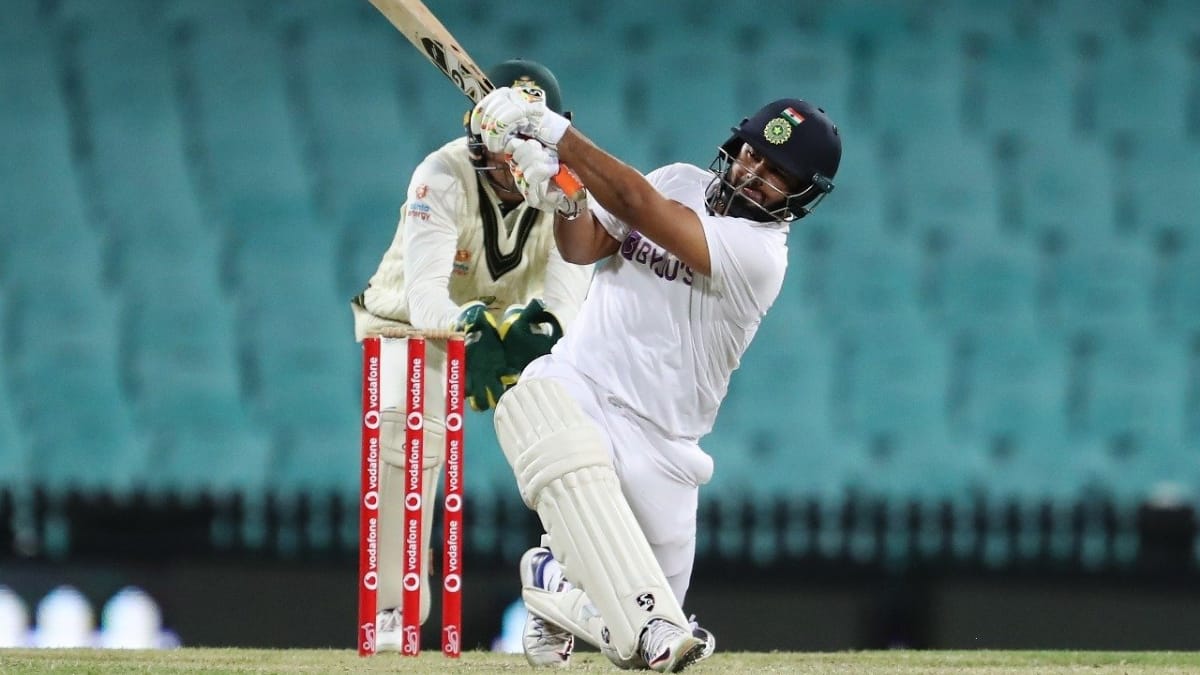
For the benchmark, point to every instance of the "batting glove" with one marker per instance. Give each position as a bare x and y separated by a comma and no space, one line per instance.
509,112
533,167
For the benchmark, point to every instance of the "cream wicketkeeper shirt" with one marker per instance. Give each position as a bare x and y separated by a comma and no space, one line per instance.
447,252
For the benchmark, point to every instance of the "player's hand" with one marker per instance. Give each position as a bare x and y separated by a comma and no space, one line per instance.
509,112
533,167
486,361
528,331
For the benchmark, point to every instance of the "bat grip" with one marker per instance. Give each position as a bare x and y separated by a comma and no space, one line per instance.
568,183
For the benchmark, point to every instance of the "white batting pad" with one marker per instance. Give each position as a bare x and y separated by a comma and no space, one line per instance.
574,611
564,472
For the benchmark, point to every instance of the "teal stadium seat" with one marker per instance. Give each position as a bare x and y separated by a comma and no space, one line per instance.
1033,72
994,20
253,156
1072,17
986,285
597,99
1157,199
294,375
285,302
1154,71
865,18
1099,287
168,269
921,77
1133,385
1012,404
1056,187
176,354
870,280
1152,470
144,187
41,206
858,204
63,360
681,119
821,59
22,14
316,466
1179,312
221,457
773,444
1011,386
362,120
15,458
281,264
855,214
944,190
368,229
336,15
892,380
862,28
1135,408
891,403
1028,482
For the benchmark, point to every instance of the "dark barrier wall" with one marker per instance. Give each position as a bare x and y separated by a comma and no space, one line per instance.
287,605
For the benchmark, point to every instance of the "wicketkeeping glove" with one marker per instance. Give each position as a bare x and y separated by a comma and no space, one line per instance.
528,331
486,359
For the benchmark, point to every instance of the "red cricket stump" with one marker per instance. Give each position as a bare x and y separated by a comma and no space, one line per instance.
368,504
452,506
414,454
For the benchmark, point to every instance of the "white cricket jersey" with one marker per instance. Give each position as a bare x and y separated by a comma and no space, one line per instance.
662,340
454,246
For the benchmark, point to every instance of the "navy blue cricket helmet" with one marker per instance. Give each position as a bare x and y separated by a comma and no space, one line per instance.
795,136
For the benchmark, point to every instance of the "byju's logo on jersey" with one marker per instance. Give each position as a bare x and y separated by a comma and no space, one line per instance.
665,266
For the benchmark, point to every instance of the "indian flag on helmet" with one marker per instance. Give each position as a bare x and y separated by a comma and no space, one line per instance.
792,116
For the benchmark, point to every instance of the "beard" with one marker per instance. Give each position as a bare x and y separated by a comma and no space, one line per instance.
723,200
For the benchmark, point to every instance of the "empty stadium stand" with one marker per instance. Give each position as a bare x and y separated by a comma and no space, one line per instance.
986,347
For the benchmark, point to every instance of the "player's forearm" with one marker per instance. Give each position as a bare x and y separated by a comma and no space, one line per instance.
582,241
430,306
626,194
619,187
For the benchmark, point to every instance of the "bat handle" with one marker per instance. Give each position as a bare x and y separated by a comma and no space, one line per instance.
568,183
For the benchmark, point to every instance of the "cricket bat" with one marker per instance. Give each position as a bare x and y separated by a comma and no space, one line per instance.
427,34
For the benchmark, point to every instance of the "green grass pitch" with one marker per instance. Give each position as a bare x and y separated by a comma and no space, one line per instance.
21,661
